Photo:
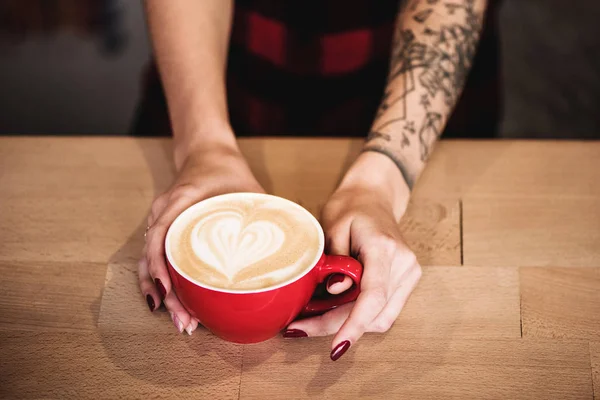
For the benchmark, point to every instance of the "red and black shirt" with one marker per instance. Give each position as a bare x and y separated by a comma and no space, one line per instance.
308,67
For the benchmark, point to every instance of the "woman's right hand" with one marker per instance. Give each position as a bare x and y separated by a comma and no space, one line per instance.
207,172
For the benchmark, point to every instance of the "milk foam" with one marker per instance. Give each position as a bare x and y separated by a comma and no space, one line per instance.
244,241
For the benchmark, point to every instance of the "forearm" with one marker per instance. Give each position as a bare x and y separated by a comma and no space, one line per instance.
190,40
434,45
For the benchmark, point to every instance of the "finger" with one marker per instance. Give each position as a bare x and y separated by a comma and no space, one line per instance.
147,286
338,283
384,321
155,243
322,325
158,205
370,301
179,315
338,240
192,326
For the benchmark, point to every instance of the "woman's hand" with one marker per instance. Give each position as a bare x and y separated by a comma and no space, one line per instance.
207,172
361,219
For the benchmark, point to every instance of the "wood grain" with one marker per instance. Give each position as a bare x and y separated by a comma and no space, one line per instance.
50,295
595,359
431,228
462,303
300,170
385,366
110,365
561,302
449,302
123,308
74,325
66,199
56,206
518,168
531,231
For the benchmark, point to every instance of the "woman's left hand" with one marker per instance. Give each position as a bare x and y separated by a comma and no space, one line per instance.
361,220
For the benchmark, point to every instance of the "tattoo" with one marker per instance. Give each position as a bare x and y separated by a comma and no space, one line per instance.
425,101
430,58
413,6
452,7
374,135
405,141
423,15
430,131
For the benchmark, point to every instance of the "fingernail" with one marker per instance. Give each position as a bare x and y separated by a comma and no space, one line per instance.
161,288
150,302
189,329
294,333
177,322
335,278
339,350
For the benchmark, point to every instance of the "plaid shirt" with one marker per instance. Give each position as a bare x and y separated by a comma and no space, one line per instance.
308,67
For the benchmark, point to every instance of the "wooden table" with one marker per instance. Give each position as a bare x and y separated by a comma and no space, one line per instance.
508,306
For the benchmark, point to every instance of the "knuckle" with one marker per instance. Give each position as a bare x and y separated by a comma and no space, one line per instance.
151,235
320,326
418,272
157,204
334,230
387,245
181,192
382,325
410,259
155,265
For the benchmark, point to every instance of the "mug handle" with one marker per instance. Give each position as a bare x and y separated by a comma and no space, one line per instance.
335,265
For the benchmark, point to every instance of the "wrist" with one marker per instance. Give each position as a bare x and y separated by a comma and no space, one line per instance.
377,173
218,139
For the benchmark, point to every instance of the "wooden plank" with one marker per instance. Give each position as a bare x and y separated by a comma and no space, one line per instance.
50,295
431,229
531,232
123,308
449,302
56,206
71,229
385,366
561,302
76,199
462,303
105,365
595,359
61,194
300,169
510,168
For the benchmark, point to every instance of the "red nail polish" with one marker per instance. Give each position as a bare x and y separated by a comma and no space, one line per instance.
294,333
335,278
339,350
150,301
161,288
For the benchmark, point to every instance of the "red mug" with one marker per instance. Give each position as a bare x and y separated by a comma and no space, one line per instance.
251,316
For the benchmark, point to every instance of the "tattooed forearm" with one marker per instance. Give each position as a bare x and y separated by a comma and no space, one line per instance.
433,48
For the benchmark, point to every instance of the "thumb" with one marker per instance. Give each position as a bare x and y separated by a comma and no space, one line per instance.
338,243
338,283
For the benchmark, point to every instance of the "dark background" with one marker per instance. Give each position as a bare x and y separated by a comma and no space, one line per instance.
77,67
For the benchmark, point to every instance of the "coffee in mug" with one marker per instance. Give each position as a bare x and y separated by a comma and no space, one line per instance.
244,242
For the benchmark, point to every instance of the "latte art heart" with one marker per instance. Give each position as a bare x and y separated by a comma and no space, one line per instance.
224,242
244,241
